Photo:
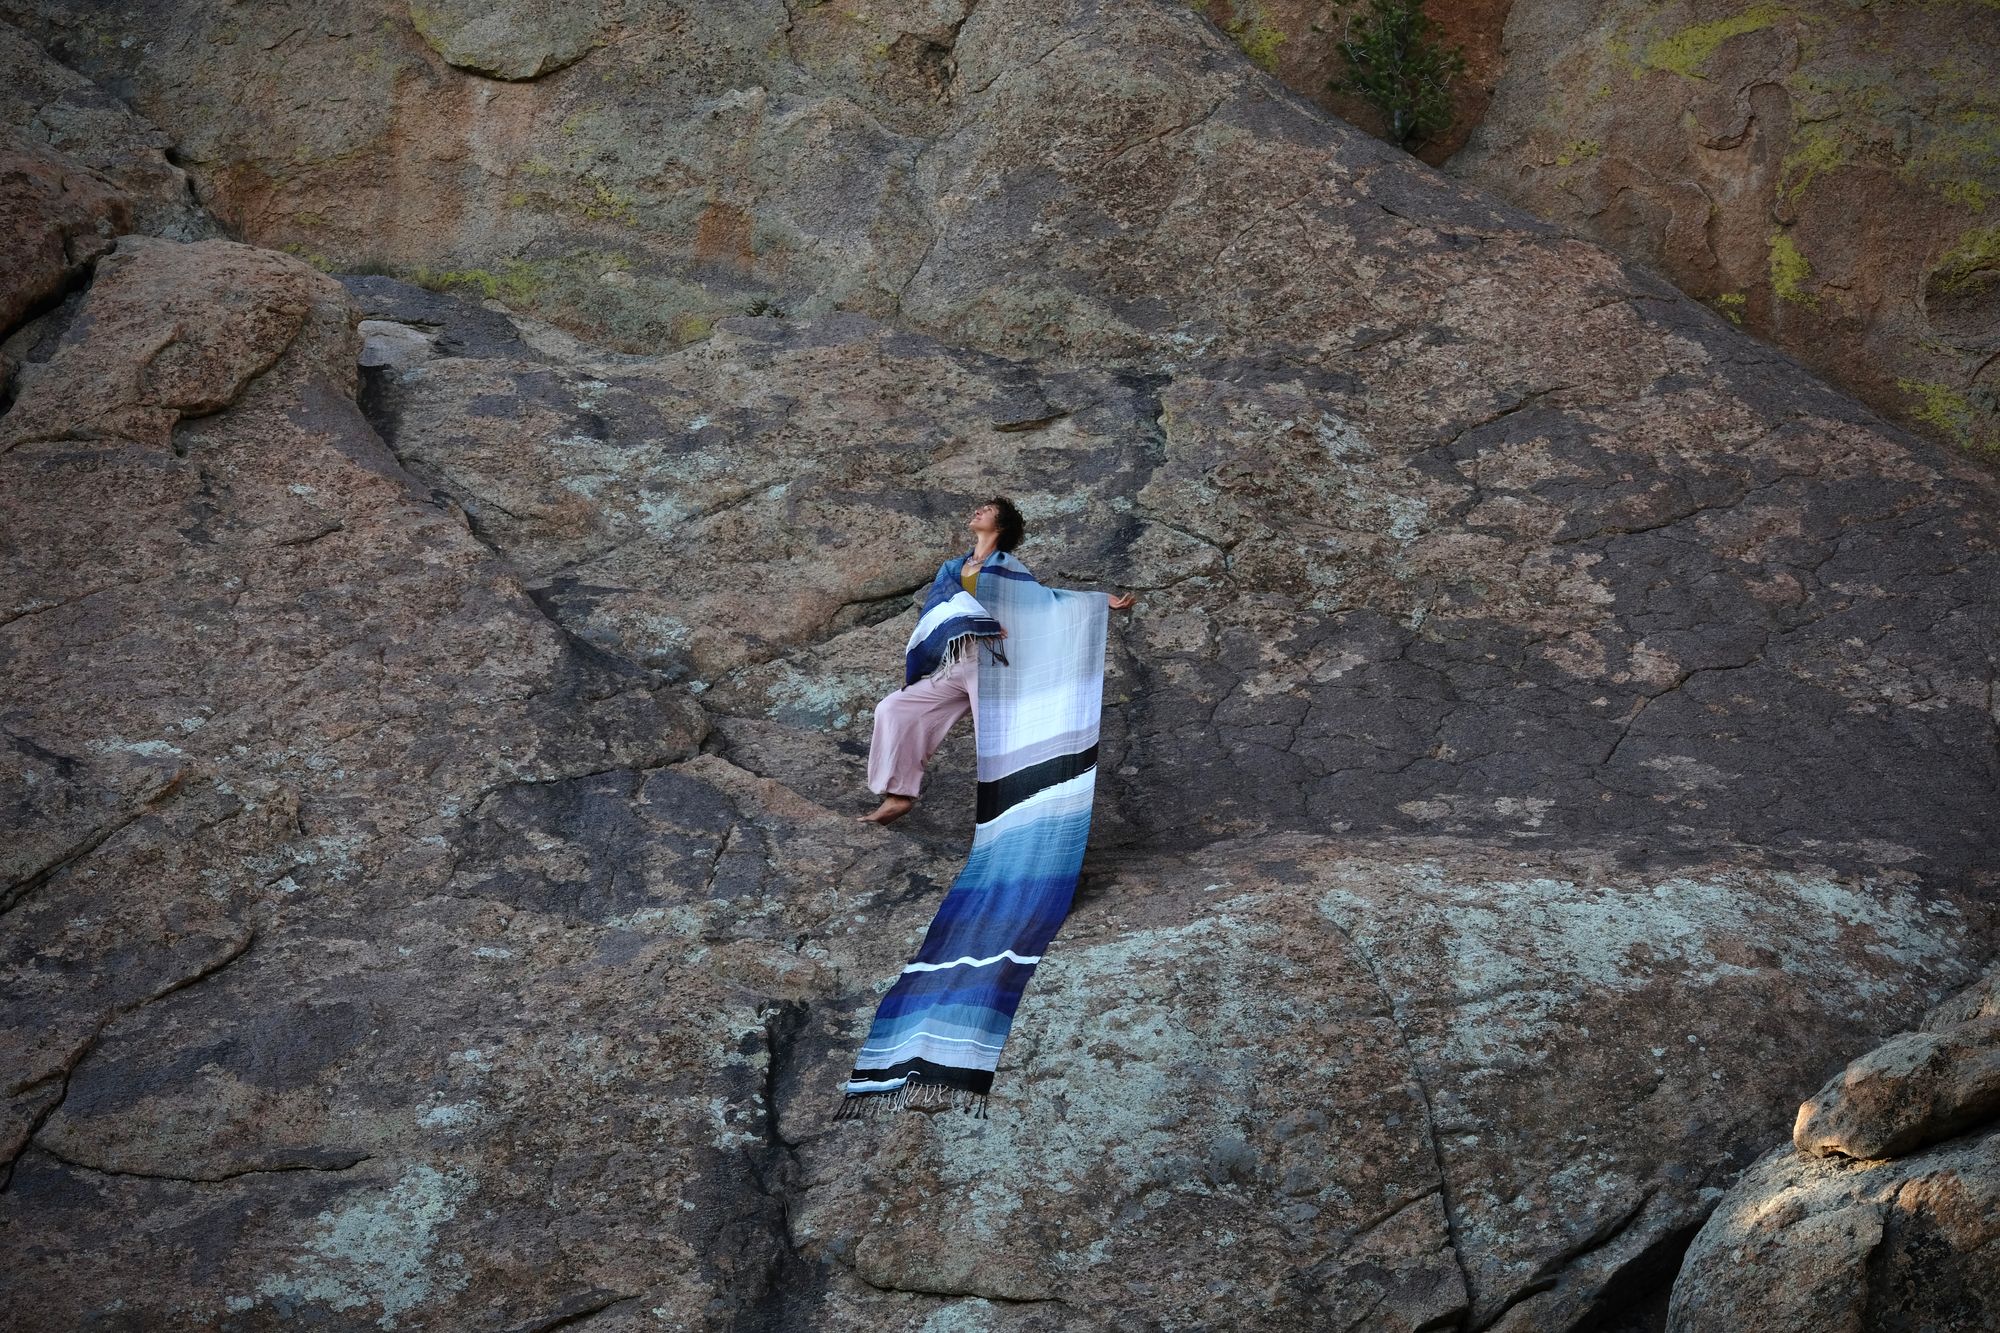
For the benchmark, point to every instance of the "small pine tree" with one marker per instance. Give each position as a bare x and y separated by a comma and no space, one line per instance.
1395,64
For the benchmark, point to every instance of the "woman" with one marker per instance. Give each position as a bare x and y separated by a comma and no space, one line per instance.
938,1032
912,722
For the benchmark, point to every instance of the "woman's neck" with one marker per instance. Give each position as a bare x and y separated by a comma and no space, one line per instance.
984,547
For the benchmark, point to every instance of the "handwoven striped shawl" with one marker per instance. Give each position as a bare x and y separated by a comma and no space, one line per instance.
952,621
938,1032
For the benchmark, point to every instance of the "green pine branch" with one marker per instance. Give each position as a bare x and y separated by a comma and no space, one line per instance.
1397,65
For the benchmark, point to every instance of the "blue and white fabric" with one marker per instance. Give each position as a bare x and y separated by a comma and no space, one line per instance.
938,1032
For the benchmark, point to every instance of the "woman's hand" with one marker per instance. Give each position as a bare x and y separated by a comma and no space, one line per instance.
1124,600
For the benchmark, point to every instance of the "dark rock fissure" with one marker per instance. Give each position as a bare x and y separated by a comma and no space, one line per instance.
1432,1133
337,1162
89,1044
794,1287
1634,1299
17,892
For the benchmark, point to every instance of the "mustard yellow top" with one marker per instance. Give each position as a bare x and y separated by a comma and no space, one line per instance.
969,576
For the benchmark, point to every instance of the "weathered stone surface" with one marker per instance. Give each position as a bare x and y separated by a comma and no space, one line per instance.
55,218
1554,734
1803,1242
63,113
521,39
161,339
1341,627
1812,1239
256,679
1298,43
1823,174
1910,1091
701,161
1978,1001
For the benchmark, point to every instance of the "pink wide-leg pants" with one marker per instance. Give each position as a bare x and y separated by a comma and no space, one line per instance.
911,723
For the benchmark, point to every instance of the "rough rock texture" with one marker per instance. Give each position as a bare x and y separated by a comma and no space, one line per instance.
1555,733
524,39
1806,1243
1826,174
64,113
1807,1239
1908,1092
1298,42
55,218
77,170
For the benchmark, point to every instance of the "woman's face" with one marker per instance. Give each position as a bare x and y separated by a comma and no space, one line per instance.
986,518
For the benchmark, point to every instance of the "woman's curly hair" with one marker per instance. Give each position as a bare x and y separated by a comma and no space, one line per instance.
1012,526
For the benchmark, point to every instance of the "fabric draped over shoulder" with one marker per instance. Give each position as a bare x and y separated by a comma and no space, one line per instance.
938,1032
953,621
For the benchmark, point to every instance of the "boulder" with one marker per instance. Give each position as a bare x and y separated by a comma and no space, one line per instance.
1911,1091
1906,1238
56,217
524,39
62,114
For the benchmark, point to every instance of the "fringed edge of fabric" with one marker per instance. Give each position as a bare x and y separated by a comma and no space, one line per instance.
959,645
889,1101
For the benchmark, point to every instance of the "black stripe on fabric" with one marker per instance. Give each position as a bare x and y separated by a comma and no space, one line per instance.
999,796
928,1071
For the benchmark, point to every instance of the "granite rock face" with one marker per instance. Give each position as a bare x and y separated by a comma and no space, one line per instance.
77,170
1825,175
65,114
1907,1237
1555,732
56,220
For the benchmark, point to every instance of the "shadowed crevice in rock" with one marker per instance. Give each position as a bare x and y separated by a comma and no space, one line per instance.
793,1288
1413,1070
320,1160
1635,1298
36,877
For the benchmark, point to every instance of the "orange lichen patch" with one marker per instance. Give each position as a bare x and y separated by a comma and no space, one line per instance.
723,232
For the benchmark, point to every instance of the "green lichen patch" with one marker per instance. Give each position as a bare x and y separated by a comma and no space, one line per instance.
1971,265
1578,151
313,257
1790,271
1816,146
1686,51
515,283
1732,304
1257,39
1942,408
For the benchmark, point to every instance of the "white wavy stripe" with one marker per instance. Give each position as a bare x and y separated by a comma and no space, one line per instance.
958,1057
969,961
997,764
1029,705
960,603
928,1036
1061,798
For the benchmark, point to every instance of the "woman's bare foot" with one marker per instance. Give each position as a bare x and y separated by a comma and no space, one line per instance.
892,807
